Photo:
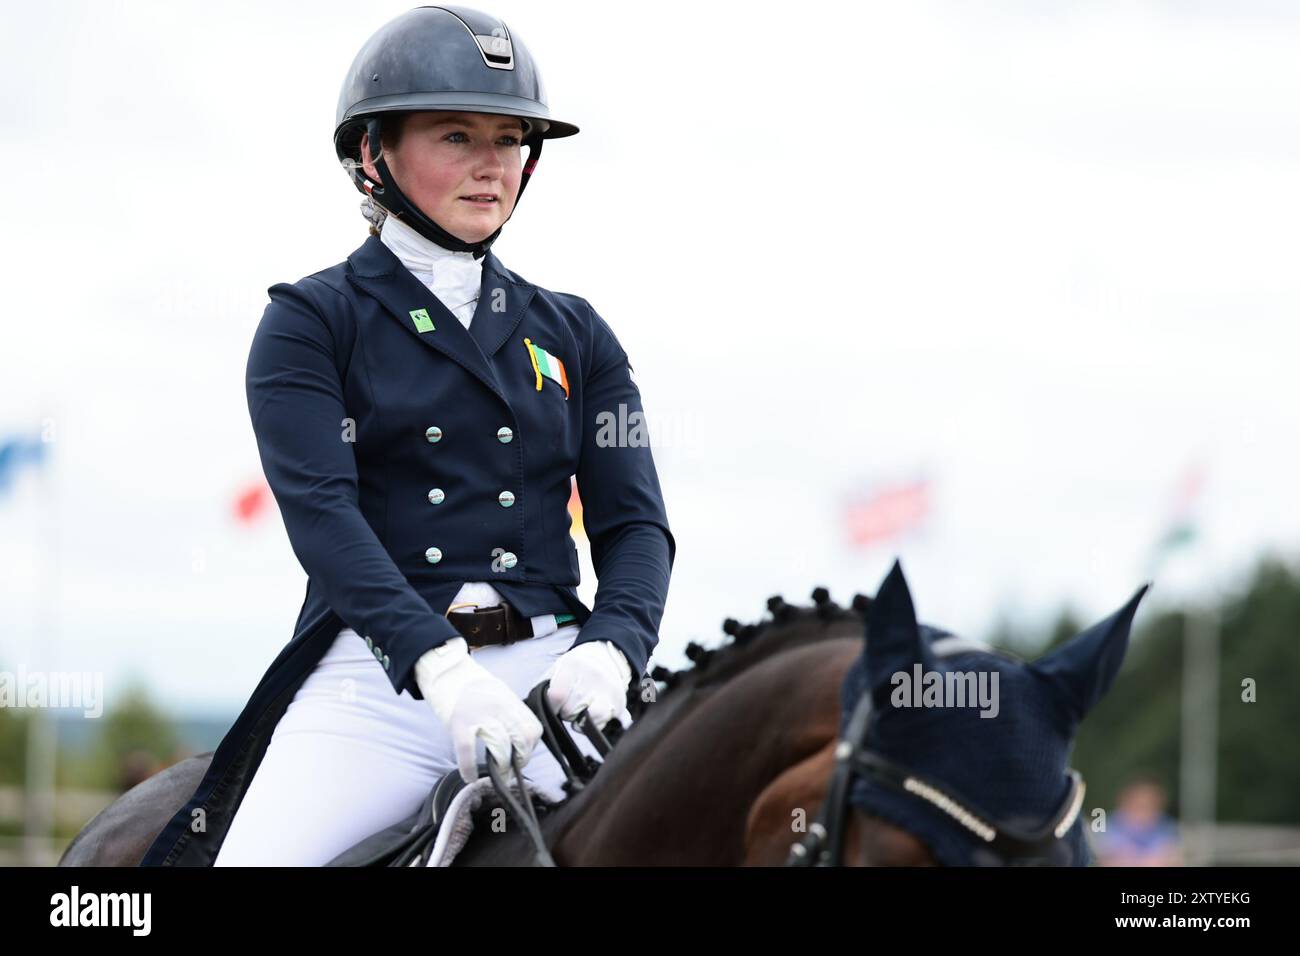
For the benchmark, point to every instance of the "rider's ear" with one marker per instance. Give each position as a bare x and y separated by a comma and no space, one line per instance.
367,158
1083,668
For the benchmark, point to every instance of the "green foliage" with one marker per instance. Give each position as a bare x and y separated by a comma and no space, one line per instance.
129,741
133,737
13,745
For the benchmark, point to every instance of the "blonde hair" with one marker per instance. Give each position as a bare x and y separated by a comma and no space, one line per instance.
374,214
371,211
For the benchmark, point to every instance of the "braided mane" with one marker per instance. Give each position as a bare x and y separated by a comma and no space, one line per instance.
753,643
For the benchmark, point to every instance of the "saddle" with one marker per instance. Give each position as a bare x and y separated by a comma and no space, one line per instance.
409,842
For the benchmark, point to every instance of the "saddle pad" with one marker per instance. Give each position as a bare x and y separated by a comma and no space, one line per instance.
458,822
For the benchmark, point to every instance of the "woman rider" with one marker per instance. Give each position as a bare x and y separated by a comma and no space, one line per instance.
419,411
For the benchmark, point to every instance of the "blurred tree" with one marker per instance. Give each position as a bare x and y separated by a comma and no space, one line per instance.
13,745
135,740
1136,728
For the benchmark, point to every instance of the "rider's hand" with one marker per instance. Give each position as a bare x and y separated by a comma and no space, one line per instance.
473,702
594,675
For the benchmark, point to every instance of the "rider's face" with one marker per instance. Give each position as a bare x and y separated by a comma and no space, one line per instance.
445,157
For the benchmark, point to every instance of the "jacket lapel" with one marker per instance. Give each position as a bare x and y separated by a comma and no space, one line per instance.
377,271
502,301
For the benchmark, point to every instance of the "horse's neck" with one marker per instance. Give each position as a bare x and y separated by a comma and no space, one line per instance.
679,786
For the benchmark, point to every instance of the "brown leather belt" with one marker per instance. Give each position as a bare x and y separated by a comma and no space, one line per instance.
499,624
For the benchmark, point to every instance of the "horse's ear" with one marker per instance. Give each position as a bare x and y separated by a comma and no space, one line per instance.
1083,668
893,641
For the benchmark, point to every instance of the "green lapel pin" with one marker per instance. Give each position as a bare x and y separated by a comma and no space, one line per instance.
422,321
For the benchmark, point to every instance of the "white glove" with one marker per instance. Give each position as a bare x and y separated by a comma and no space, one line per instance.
473,702
594,675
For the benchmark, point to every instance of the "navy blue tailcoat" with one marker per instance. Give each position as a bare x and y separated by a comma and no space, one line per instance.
409,455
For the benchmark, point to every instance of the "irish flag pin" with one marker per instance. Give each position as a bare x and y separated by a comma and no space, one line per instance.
544,363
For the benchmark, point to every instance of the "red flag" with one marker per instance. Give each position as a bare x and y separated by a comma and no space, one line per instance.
251,501
1188,491
887,511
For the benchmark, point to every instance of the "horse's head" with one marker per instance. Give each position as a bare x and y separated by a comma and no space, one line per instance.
962,747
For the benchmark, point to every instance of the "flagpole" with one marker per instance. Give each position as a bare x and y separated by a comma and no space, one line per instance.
1199,715
42,726
1198,759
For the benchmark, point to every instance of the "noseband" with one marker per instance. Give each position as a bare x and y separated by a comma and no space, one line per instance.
823,844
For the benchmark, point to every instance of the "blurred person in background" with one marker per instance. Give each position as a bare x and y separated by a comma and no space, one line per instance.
1138,832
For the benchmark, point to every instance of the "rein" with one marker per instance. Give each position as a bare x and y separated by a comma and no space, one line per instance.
578,767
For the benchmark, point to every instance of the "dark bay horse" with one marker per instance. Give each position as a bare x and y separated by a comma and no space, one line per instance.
730,765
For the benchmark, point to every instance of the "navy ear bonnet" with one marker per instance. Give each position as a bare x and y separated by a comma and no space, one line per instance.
990,731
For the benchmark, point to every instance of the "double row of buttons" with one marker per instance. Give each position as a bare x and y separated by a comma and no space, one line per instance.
434,434
505,499
436,495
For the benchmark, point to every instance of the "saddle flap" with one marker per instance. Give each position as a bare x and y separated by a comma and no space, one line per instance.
392,845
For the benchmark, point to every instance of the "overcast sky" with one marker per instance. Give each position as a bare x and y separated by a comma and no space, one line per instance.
1044,254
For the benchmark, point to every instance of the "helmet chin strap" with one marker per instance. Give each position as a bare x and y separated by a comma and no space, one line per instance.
395,202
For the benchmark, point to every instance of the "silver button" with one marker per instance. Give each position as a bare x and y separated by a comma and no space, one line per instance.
433,555
435,496
506,498
433,433
369,643
379,655
386,662
504,434
508,560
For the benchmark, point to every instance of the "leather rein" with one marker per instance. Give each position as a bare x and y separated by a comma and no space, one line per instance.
578,767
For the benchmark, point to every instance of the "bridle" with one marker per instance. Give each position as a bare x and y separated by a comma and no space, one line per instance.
823,844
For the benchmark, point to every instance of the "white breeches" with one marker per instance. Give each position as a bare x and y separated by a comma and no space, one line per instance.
350,757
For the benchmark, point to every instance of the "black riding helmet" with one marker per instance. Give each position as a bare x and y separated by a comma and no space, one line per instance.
439,58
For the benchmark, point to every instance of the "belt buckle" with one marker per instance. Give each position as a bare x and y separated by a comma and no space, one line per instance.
447,614
508,627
